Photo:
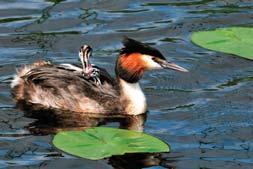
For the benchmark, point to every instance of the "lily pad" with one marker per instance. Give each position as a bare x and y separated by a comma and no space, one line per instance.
234,40
100,142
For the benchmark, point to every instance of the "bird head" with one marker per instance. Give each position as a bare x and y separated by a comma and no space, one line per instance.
136,57
84,54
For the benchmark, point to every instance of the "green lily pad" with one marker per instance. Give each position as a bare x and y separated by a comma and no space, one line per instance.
234,40
100,142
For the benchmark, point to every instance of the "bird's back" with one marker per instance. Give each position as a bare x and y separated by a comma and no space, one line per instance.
52,87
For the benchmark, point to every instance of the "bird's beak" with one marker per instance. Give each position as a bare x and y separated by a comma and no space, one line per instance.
169,65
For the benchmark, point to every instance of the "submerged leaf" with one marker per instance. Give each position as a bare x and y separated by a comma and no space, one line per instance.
235,40
100,142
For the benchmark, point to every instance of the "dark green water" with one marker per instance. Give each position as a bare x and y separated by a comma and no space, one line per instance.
205,115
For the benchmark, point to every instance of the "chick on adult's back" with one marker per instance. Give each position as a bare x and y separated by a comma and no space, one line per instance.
50,86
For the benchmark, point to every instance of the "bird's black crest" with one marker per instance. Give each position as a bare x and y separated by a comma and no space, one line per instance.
133,46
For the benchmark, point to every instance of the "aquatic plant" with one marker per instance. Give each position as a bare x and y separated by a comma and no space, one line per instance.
100,142
234,40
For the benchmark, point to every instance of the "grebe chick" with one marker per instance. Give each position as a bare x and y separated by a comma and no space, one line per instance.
51,87
89,69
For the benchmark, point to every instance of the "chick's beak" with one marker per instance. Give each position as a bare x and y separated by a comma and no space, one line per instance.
170,65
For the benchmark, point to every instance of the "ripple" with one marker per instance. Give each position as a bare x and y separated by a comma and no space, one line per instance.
172,39
185,106
188,3
136,29
235,82
128,11
164,89
27,4
222,10
14,19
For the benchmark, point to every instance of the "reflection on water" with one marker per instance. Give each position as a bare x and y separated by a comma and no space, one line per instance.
137,161
205,115
53,121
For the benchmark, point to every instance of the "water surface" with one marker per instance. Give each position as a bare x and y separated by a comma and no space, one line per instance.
205,115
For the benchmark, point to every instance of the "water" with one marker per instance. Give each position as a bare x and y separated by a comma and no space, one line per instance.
205,115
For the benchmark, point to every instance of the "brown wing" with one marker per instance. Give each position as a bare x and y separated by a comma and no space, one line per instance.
68,90
105,76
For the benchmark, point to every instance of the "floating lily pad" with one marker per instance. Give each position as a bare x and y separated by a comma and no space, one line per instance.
234,40
100,142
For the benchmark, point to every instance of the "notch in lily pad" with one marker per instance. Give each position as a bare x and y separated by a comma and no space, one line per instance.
101,142
233,40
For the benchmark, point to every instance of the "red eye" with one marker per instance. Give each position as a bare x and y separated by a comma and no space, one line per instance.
154,59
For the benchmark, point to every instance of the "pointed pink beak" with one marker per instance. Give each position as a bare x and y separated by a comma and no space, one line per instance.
169,65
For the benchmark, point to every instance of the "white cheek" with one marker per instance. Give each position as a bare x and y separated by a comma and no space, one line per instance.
151,64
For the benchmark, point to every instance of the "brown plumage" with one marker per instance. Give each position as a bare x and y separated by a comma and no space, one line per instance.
52,86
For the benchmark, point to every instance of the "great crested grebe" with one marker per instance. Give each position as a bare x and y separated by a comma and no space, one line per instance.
51,86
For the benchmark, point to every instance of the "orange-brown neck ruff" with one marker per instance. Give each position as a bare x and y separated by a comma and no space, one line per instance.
130,67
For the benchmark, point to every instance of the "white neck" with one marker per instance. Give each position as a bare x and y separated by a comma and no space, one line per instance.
132,98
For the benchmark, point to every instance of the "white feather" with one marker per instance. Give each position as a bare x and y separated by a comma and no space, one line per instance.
71,67
150,62
136,98
15,81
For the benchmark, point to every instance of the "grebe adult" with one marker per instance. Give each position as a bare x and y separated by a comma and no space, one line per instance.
50,86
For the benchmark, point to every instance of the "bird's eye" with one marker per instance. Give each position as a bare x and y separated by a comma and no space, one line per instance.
154,59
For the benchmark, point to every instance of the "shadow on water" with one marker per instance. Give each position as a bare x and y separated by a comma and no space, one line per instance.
51,121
